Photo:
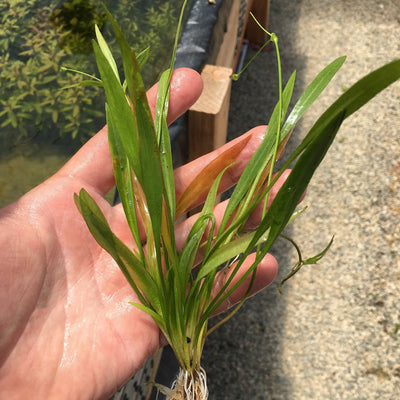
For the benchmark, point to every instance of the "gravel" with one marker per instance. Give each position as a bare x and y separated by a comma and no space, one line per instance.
334,333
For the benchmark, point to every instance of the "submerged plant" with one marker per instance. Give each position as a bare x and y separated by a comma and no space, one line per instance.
39,36
171,284
75,21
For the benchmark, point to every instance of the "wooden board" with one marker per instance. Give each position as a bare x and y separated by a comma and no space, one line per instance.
208,117
260,9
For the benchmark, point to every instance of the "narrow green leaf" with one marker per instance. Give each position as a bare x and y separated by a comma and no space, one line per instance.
128,56
353,99
129,264
200,292
226,252
123,179
159,320
316,258
162,102
282,207
142,57
191,246
89,83
301,262
150,176
364,90
314,148
152,180
161,126
260,159
194,239
165,143
265,152
312,92
293,188
106,51
119,108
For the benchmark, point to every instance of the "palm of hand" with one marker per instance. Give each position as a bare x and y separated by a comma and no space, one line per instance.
71,301
67,330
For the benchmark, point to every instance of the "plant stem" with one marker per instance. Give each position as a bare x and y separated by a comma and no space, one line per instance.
274,39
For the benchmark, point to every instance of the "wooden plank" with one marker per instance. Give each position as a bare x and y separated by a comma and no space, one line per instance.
260,9
221,50
226,54
208,117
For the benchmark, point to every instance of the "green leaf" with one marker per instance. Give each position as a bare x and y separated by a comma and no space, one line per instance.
191,246
260,159
128,55
151,176
265,151
200,292
130,265
106,51
311,93
134,128
196,234
286,200
123,179
152,181
301,262
364,90
353,99
159,320
282,207
227,252
125,123
142,57
163,139
144,156
316,258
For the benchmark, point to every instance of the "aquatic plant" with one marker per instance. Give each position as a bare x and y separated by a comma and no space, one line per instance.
31,79
173,286
37,38
75,21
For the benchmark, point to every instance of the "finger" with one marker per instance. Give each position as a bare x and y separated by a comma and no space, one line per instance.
92,163
255,217
184,175
185,88
183,229
265,273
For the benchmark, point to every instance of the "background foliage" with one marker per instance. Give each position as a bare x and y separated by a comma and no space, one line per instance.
38,37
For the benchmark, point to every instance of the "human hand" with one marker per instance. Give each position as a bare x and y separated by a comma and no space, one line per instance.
67,330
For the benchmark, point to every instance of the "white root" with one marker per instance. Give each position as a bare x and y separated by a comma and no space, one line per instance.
189,385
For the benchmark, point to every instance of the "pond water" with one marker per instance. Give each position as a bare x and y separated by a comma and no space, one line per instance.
42,122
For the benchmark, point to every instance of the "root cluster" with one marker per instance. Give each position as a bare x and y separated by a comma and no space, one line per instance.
189,385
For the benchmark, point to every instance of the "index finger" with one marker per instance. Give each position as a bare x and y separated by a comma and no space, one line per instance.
92,163
188,173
